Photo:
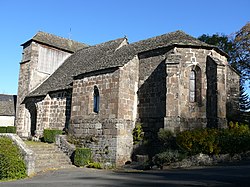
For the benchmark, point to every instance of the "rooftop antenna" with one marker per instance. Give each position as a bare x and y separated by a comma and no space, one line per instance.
70,34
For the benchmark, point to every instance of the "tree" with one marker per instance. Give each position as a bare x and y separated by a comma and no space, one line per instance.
244,99
221,41
241,50
244,105
237,47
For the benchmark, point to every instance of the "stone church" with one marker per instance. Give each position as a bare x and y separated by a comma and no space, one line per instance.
99,92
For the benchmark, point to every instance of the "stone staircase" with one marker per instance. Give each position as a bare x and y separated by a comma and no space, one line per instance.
48,156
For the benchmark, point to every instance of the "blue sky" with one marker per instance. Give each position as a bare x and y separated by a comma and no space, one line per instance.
96,21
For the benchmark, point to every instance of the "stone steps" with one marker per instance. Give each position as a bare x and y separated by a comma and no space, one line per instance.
48,156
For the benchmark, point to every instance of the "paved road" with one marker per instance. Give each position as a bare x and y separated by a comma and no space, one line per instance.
233,175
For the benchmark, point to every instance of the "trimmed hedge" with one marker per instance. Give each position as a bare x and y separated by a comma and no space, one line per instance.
82,156
49,135
3,130
12,165
8,129
11,129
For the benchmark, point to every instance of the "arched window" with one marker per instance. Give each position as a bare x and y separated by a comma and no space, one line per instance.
96,99
192,86
195,85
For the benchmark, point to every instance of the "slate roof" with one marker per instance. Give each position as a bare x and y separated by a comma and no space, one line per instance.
169,39
85,60
7,105
106,55
57,42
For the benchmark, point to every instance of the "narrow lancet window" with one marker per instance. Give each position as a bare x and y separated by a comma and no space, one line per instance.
96,99
192,86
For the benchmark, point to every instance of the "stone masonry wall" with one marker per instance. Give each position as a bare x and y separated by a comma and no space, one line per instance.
60,110
26,66
109,132
152,93
43,109
233,85
192,114
128,87
164,89
181,114
53,112
127,110
35,58
221,95
98,130
173,94
83,97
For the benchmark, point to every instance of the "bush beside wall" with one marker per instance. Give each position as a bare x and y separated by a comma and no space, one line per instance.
199,141
8,129
50,135
234,140
3,130
82,156
11,129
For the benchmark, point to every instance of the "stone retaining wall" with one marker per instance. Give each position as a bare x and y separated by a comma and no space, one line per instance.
65,146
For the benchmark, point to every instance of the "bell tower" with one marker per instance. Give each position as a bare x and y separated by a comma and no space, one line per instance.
41,56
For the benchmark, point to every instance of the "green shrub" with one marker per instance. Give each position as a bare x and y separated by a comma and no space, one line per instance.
167,138
49,135
138,133
166,157
3,129
11,129
236,139
199,141
8,129
82,156
12,165
95,165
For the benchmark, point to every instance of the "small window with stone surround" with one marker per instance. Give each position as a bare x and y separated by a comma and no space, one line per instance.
96,99
195,85
192,86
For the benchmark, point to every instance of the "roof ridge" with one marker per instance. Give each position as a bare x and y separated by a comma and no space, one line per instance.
101,44
57,42
53,35
166,34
